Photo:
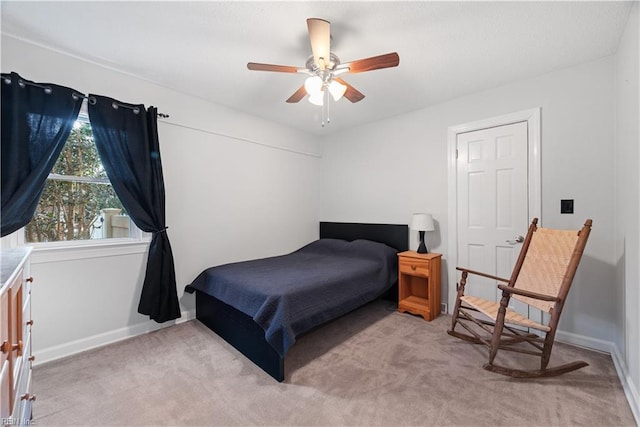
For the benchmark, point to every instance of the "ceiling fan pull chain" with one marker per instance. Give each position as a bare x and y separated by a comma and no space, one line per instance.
326,97
323,108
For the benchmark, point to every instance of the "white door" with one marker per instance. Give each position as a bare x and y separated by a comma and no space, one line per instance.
492,204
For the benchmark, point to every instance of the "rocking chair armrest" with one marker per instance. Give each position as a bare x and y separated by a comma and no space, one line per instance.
477,273
529,294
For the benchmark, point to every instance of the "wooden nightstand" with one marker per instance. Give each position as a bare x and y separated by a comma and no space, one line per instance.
419,284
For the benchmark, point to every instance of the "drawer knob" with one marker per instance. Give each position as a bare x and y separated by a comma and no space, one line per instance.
32,358
29,279
5,346
413,267
18,346
30,322
28,396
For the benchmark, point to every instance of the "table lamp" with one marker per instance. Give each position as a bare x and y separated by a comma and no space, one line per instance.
422,222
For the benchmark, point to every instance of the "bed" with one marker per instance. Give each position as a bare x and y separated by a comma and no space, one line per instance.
262,306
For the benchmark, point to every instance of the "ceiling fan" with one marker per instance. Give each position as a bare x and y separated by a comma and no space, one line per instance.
324,67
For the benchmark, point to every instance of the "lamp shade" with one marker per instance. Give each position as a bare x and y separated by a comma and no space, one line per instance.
313,85
422,222
337,90
317,98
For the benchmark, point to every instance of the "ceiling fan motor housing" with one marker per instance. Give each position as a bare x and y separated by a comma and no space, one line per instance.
314,69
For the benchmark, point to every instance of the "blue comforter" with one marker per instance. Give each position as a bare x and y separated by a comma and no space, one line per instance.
291,294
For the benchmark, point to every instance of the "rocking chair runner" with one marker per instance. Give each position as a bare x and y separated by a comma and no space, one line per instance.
541,278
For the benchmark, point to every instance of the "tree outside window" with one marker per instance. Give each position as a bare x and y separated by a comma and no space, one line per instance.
78,201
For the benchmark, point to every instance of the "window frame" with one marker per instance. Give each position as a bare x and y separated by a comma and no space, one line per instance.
67,250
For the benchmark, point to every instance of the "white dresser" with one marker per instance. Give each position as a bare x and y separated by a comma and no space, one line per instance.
16,398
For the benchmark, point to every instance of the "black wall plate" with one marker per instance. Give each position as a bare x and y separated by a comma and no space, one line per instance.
566,206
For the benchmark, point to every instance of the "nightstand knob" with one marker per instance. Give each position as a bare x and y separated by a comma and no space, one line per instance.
413,267
29,279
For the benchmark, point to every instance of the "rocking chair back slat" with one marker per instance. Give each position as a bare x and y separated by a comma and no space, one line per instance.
546,266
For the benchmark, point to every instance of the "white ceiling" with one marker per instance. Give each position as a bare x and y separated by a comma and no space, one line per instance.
447,49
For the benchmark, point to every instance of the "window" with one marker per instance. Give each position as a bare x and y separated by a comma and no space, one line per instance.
78,202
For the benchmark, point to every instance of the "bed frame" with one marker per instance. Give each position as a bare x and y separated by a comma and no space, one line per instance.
246,336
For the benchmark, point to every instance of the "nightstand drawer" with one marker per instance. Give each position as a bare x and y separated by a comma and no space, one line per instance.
415,267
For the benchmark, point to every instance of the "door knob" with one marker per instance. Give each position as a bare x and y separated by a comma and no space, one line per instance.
519,239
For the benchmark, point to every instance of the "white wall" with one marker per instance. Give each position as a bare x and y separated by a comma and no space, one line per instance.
237,187
627,202
386,170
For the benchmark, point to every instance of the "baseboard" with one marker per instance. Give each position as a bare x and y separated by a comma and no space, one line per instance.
583,341
630,390
84,344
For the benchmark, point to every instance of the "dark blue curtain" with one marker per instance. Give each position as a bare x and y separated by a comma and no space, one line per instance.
126,136
36,121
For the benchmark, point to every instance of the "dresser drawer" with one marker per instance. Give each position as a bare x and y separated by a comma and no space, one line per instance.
414,266
5,389
22,378
22,411
26,318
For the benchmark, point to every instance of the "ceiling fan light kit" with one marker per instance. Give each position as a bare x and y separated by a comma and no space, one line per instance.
337,90
313,85
315,88
317,98
324,67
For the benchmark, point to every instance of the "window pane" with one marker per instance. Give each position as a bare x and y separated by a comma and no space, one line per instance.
80,156
78,203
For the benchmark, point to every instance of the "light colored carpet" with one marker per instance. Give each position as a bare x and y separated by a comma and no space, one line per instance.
374,366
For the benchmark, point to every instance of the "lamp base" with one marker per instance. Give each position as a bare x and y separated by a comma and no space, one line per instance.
422,249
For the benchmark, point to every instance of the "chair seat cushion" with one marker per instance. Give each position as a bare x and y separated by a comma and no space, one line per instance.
490,309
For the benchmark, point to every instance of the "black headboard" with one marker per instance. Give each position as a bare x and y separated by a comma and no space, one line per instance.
394,235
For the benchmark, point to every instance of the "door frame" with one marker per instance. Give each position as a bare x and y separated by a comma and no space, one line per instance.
532,117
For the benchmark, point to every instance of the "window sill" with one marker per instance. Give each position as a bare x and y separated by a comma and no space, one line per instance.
44,253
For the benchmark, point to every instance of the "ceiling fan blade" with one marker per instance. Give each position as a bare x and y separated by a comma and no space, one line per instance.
374,63
270,67
298,95
320,38
352,94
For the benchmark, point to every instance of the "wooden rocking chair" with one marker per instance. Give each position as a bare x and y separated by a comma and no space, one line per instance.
541,278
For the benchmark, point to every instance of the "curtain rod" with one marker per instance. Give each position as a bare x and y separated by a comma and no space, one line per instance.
76,96
22,84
